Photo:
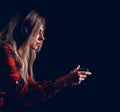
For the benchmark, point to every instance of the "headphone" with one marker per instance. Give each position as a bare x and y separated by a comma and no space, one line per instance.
21,32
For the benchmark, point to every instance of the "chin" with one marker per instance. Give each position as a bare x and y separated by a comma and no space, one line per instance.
35,48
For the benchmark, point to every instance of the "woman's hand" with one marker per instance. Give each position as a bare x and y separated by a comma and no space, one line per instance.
76,76
72,78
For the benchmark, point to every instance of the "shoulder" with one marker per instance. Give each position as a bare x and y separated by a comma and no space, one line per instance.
6,45
6,48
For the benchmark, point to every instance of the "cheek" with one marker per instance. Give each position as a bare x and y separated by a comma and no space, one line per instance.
33,45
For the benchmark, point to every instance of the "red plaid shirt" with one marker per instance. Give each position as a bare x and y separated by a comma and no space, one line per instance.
12,83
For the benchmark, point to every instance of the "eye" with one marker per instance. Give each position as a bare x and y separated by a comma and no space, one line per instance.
41,32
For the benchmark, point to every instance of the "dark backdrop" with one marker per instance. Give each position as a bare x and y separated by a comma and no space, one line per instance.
76,33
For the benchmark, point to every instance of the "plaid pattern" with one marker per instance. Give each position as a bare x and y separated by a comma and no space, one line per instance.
12,83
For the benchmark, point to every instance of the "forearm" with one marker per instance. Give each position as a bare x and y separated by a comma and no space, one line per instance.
61,83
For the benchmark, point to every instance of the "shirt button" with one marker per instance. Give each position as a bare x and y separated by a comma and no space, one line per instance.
16,82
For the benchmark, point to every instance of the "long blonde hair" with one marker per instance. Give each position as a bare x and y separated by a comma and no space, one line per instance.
19,34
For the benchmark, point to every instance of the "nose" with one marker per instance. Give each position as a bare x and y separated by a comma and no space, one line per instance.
41,37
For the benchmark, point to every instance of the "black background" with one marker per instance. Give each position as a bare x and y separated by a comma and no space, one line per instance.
77,32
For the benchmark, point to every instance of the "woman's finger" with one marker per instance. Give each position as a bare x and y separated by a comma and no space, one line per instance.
84,73
75,69
83,76
81,79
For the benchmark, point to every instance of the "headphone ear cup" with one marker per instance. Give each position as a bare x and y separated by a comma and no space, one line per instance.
17,35
20,34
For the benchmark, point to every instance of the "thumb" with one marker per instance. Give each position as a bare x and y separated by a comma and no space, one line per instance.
75,69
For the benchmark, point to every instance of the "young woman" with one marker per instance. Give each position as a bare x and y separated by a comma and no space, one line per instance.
19,42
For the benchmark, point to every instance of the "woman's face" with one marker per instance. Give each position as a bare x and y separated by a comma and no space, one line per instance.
38,39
